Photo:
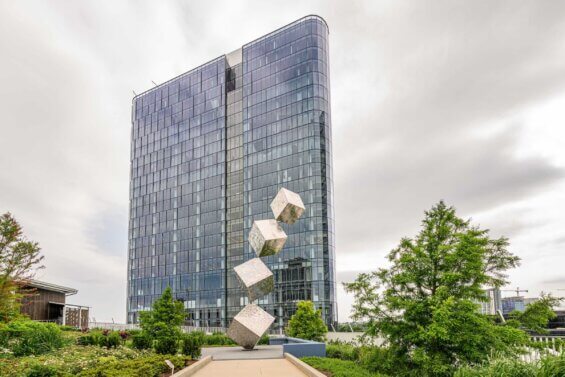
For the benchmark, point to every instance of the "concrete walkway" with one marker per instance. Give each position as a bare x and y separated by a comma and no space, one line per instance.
250,368
237,353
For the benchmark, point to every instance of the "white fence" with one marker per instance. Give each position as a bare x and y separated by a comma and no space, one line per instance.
131,326
551,348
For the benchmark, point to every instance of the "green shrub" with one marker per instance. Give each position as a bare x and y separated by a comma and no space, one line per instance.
192,346
133,332
163,322
141,341
40,370
113,339
109,339
25,337
201,335
263,341
217,339
307,323
342,351
94,338
166,346
84,340
379,359
338,368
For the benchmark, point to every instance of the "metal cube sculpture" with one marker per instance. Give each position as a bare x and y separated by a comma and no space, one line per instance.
256,277
267,237
249,325
287,206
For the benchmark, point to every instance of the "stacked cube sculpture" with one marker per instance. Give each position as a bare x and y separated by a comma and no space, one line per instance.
256,277
287,206
266,238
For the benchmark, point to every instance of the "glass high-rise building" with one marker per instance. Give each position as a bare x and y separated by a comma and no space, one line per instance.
210,149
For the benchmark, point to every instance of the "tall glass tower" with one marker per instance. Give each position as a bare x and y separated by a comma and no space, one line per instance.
210,149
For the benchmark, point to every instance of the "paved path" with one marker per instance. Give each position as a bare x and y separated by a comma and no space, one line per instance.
237,353
250,368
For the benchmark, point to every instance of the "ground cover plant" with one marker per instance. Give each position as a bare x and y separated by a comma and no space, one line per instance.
343,358
75,360
549,366
338,368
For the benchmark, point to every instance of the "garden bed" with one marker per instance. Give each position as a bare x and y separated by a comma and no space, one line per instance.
86,361
338,368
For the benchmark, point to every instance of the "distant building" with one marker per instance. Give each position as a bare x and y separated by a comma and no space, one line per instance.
494,302
559,321
46,302
519,303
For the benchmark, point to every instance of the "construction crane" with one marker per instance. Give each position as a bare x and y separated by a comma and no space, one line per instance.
517,290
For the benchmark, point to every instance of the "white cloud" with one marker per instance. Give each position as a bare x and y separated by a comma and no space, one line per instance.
455,100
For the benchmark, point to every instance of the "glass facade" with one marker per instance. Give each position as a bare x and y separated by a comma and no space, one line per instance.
210,150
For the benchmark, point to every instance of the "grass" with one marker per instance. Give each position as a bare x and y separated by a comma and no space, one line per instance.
338,368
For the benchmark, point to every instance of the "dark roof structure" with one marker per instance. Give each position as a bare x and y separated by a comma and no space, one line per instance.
51,287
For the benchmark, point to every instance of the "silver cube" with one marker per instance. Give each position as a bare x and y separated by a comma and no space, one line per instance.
287,206
256,277
267,237
249,325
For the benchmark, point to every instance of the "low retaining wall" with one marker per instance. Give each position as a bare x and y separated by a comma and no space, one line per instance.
191,370
304,368
299,347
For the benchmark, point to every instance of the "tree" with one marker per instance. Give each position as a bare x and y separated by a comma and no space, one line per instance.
307,323
19,260
162,323
537,314
424,305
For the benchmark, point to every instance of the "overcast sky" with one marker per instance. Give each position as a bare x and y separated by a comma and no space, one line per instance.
455,100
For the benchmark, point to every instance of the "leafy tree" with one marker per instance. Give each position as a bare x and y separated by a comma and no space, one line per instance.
162,323
537,314
19,259
424,304
307,323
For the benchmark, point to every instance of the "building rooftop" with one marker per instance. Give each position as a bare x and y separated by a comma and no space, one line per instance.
52,287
